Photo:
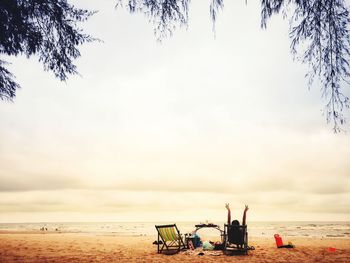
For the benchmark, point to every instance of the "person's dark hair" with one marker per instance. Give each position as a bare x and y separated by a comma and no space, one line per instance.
235,223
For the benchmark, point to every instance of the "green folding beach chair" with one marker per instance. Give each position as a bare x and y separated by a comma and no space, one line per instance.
171,239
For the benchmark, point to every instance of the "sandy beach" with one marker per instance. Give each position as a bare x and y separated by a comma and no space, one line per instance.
73,247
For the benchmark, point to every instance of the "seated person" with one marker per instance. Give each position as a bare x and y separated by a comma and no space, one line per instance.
236,235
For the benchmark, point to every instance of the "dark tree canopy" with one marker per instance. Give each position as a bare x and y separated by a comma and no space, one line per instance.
45,28
320,37
165,15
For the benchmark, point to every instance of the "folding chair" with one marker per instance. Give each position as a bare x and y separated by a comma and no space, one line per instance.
171,239
235,239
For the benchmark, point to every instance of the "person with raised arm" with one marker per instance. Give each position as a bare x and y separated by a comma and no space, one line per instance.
236,222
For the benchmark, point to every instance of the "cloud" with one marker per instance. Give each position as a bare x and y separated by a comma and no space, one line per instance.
142,205
30,182
185,126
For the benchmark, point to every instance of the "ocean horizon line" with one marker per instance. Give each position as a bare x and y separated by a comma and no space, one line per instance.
181,221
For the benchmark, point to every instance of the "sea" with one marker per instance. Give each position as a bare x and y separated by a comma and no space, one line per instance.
256,229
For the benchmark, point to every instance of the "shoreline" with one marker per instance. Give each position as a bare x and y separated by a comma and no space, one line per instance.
123,234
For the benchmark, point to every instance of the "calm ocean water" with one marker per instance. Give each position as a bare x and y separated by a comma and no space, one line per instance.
260,229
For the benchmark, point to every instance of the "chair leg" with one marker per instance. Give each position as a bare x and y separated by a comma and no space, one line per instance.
246,251
182,243
158,243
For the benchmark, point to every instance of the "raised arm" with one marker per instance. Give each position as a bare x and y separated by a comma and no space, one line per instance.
245,215
228,213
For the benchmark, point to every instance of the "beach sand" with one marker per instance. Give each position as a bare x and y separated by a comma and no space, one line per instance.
73,247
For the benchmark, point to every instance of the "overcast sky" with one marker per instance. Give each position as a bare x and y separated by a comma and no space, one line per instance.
172,131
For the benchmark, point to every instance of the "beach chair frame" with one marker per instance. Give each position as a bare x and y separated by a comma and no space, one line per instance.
235,240
173,245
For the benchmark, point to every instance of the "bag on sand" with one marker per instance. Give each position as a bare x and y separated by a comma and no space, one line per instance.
207,246
279,242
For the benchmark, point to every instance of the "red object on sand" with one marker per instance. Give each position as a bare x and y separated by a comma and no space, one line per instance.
278,240
332,249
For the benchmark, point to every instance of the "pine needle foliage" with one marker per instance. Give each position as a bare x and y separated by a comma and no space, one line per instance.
47,29
320,38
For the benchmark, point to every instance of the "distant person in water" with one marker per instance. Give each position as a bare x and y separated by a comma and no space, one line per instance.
236,222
